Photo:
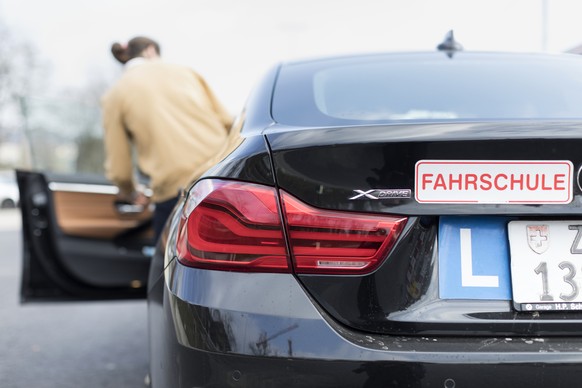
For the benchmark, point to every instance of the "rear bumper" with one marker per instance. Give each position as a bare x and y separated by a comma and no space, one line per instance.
221,370
237,329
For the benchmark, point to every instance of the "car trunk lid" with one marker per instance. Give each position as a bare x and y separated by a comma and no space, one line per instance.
375,170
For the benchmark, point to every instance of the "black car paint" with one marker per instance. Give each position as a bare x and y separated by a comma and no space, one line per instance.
290,321
325,167
233,333
213,328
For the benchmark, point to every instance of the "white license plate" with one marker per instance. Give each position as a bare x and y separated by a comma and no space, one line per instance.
546,265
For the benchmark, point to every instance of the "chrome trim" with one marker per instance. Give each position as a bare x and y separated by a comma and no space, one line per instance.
83,188
381,194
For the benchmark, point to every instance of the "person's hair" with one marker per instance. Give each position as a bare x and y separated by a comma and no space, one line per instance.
133,49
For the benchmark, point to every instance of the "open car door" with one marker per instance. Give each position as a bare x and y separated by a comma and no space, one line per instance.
78,244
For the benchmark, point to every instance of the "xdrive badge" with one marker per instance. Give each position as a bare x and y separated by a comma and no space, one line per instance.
379,194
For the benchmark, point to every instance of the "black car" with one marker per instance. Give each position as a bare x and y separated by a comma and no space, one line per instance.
385,220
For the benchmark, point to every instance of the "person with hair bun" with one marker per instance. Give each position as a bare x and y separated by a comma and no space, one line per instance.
169,115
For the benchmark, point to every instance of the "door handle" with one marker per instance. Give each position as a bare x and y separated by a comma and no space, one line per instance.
126,208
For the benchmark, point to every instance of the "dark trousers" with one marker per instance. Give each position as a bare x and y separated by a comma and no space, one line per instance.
161,214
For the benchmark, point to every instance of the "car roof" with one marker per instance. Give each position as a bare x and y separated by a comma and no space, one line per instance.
419,55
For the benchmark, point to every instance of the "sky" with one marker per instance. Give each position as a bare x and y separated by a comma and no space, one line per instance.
233,42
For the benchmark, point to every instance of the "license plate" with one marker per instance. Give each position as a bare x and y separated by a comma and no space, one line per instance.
546,265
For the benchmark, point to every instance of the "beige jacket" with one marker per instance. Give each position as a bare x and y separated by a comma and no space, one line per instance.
171,117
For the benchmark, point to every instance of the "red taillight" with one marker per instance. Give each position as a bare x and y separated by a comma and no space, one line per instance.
232,226
236,226
332,242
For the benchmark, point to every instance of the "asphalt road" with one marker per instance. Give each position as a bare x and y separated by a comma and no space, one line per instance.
97,344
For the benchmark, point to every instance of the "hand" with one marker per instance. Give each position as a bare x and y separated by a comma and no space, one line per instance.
132,204
135,198
140,198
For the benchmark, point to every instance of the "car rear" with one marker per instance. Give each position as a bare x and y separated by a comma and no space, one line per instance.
407,220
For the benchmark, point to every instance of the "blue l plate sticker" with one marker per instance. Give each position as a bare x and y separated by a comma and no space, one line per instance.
474,258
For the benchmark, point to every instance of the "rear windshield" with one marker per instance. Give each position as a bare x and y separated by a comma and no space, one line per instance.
429,87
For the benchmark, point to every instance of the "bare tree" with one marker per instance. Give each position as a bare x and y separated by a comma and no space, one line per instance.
21,77
57,130
6,68
87,119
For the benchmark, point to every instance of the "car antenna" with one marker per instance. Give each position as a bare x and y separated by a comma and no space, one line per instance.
450,46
